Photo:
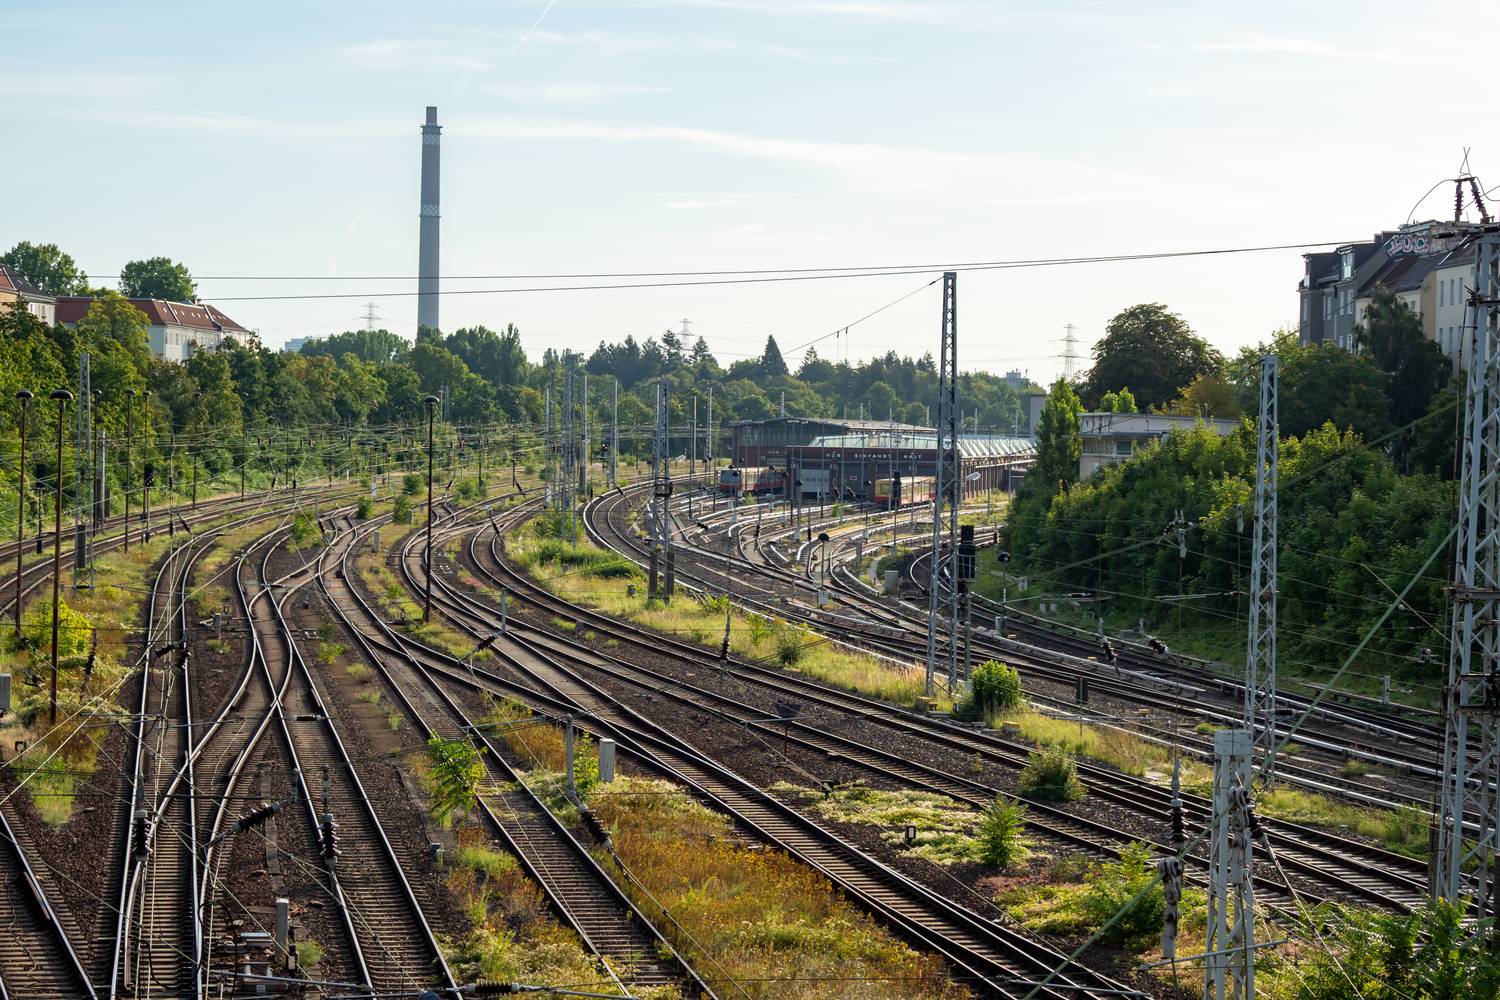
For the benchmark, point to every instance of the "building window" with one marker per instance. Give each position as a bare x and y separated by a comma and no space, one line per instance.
1346,264
1442,289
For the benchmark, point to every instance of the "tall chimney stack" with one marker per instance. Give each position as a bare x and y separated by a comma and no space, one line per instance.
427,258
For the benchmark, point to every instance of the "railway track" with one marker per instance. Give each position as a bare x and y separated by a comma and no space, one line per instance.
581,894
37,960
983,953
1347,869
395,949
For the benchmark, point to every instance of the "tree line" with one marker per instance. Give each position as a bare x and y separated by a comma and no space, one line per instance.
374,378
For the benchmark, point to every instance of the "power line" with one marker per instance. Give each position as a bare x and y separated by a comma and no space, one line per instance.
568,276
739,277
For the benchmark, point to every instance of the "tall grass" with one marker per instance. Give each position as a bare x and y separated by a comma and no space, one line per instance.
587,575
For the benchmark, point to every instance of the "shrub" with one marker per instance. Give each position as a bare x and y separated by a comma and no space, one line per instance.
715,603
1052,773
401,510
456,774
305,530
411,484
365,509
791,645
760,627
993,687
73,631
466,489
1113,887
1002,833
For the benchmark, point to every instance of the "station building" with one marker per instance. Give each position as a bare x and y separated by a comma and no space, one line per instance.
833,458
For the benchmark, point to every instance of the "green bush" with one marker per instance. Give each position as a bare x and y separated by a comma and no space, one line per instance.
411,484
305,530
791,645
466,488
993,687
1113,887
1052,773
1002,833
401,510
365,509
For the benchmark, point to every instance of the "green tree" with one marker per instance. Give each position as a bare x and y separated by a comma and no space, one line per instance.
157,278
1152,350
771,363
1207,396
47,267
111,317
1058,446
1122,401
1417,368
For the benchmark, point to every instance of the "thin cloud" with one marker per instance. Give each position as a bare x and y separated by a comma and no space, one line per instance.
870,168
1291,46
573,93
806,55
432,53
84,85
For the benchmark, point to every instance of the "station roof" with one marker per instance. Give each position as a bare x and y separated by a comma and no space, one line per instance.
969,446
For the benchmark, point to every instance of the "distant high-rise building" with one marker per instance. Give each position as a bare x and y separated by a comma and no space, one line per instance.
427,254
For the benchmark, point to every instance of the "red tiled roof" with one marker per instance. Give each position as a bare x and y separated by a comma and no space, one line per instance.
159,312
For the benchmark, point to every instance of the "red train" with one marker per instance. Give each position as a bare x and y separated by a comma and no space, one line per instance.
756,479
908,490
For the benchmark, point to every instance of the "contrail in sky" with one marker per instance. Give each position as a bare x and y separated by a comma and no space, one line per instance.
535,24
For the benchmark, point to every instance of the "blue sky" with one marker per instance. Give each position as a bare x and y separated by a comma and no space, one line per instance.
656,135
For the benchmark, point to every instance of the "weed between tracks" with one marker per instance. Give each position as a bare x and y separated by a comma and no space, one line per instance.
1403,830
735,910
588,575
946,832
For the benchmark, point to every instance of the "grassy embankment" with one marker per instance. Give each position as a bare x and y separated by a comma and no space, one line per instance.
588,575
737,911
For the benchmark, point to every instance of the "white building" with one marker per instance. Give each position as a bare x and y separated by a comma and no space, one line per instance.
177,328
1111,438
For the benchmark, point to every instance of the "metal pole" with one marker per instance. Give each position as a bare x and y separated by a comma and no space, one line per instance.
25,397
614,432
62,396
129,462
1469,816
946,433
431,402
583,440
1260,658
146,486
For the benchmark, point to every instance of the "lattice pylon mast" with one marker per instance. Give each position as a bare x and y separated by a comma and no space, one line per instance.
662,475
1463,870
84,478
1260,655
569,450
1229,958
549,448
946,483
